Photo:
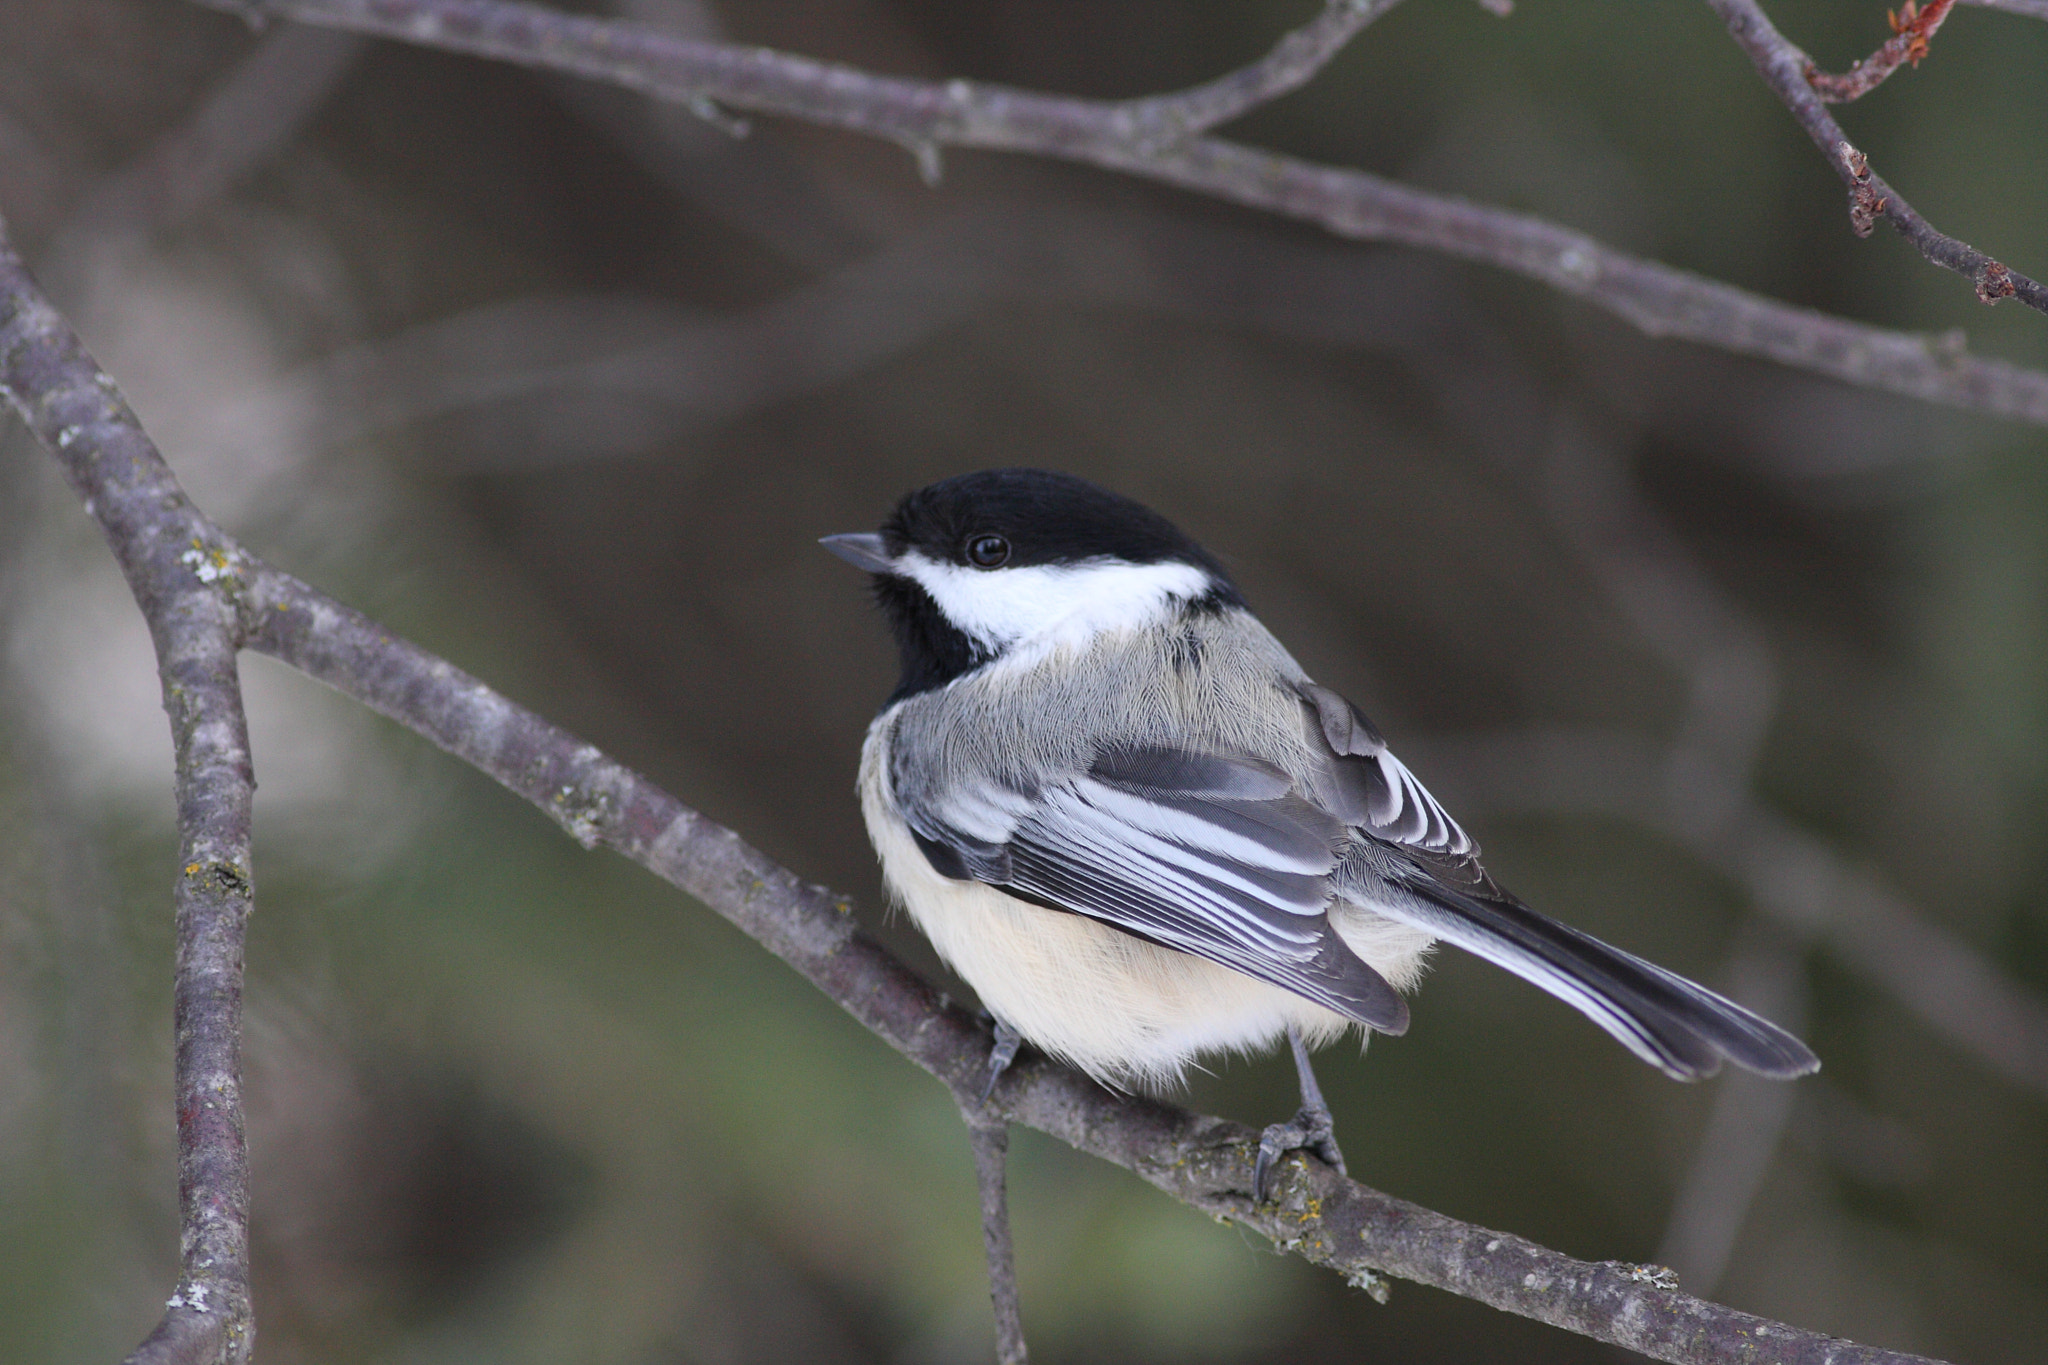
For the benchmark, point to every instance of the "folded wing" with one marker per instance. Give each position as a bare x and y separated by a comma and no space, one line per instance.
1215,856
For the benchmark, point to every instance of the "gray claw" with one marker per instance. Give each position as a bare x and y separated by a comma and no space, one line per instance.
1309,1130
1000,1056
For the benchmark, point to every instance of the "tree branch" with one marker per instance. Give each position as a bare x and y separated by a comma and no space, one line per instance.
1291,64
176,563
1660,300
1912,28
991,1138
196,585
2032,9
1784,68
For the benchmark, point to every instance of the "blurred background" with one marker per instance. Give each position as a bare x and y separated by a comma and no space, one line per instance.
1739,669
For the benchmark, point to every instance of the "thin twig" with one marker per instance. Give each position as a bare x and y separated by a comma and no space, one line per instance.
1292,63
991,1137
1784,69
1912,27
2032,9
174,560
1662,301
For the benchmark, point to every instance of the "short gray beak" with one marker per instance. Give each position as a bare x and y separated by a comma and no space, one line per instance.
863,550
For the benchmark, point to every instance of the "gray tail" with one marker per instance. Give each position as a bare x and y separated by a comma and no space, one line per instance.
1678,1026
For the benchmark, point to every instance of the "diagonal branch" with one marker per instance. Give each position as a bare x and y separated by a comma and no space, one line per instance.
175,562
197,586
1660,300
1784,68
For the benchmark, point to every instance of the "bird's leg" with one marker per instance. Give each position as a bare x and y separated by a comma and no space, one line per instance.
1000,1056
1311,1127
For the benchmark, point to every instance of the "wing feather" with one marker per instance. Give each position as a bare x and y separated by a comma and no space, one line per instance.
1372,789
1216,856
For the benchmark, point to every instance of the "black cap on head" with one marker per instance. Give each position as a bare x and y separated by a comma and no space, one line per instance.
998,519
1043,518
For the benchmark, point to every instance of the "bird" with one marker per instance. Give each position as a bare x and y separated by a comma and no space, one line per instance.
1123,814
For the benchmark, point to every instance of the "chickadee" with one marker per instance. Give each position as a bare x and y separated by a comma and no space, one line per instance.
1122,812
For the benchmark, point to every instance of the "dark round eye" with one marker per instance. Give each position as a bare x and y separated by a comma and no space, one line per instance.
988,552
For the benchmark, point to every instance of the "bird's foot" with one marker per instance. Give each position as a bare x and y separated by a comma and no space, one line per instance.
1312,1130
1000,1056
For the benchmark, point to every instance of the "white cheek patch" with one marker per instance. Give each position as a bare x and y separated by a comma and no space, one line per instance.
1053,604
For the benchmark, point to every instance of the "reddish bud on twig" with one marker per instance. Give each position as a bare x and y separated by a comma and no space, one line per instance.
1911,27
1994,282
1865,203
1914,25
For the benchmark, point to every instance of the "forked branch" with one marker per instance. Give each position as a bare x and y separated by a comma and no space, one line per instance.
1912,29
1784,68
179,566
927,115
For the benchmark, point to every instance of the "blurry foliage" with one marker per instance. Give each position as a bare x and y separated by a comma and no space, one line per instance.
512,1101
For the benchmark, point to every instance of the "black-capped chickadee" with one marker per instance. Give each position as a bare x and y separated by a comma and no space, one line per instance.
1126,817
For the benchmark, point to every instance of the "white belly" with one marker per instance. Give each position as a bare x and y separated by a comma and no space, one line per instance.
1125,1011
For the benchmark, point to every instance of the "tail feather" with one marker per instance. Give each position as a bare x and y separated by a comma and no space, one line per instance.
1678,1026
